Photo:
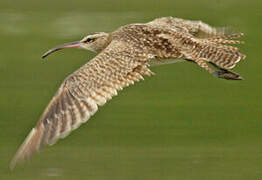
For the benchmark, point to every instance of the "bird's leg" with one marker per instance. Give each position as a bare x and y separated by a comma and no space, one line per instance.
220,73
227,74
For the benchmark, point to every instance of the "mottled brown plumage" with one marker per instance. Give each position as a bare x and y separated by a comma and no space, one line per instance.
124,57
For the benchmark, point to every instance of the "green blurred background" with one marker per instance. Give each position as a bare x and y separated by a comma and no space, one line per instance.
181,124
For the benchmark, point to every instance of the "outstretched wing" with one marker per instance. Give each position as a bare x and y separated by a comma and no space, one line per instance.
118,66
197,28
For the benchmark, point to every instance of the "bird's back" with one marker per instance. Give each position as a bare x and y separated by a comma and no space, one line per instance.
167,38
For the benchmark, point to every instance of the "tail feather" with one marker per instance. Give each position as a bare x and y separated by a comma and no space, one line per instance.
227,59
224,56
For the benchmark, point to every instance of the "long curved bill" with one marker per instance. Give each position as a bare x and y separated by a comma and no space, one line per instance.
63,46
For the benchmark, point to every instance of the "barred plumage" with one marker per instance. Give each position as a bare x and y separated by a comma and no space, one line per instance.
125,56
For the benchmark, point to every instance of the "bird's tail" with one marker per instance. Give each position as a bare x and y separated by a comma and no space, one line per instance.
215,51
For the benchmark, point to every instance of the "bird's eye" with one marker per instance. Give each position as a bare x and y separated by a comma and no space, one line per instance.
88,40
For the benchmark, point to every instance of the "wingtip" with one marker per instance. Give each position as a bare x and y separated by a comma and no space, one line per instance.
27,148
12,164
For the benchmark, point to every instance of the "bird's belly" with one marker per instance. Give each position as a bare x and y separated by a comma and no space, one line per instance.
158,62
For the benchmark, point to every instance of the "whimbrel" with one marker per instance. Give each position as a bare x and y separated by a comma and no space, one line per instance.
125,56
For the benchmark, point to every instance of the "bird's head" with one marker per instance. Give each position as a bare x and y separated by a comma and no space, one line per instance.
93,42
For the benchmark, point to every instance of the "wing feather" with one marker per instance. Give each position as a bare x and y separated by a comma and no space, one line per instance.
80,94
197,28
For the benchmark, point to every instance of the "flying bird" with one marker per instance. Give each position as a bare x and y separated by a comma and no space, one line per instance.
124,57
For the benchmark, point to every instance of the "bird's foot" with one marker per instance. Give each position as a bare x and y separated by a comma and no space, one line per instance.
226,74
